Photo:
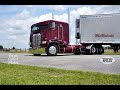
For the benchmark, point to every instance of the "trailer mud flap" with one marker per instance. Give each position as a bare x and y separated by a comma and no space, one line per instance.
37,51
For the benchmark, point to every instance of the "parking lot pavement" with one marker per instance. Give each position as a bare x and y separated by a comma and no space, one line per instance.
65,61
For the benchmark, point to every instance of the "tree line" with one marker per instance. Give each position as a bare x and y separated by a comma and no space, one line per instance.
1,47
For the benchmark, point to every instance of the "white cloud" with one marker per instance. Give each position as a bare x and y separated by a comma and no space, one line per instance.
23,15
58,7
17,28
12,37
63,17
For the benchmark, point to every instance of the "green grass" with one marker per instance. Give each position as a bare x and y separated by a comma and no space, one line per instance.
40,51
11,74
111,53
15,51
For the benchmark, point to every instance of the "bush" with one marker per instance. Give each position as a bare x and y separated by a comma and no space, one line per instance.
1,47
13,47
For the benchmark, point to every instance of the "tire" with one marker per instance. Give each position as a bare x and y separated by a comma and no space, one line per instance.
100,50
93,50
77,53
36,54
52,50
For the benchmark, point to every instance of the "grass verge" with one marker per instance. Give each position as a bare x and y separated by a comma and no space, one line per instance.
111,53
11,74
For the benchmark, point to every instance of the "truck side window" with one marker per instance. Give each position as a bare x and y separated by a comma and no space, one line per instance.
35,28
53,25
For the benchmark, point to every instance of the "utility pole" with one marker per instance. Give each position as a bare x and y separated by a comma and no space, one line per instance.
69,25
52,16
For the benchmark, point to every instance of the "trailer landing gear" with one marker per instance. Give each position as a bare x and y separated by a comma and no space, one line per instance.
115,48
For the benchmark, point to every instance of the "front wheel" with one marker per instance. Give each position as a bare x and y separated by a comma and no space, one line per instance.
52,50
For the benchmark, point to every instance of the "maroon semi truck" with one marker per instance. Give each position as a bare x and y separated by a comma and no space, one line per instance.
91,33
52,37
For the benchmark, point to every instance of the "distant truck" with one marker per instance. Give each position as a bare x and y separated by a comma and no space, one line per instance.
91,32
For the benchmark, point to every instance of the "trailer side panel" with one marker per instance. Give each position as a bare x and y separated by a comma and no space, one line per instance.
104,28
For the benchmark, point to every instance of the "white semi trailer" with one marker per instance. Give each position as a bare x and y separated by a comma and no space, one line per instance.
93,31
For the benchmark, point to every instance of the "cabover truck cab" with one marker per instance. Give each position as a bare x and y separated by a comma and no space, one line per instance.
51,37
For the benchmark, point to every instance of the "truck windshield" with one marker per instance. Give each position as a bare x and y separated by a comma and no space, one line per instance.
39,27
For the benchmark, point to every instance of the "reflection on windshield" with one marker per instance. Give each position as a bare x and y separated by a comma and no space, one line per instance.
39,27
35,28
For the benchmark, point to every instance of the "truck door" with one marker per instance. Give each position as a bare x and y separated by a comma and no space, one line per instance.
54,32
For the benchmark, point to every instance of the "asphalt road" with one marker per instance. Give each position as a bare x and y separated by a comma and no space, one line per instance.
68,61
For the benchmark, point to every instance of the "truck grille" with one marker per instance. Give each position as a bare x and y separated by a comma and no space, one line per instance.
36,40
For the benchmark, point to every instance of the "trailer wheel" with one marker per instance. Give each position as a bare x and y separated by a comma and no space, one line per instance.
100,50
52,50
93,50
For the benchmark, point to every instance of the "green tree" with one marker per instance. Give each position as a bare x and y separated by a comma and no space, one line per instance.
1,47
13,47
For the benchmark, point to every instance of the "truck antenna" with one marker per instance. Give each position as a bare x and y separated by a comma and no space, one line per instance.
69,25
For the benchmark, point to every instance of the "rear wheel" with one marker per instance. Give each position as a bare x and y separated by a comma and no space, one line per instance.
100,50
52,50
93,50
97,49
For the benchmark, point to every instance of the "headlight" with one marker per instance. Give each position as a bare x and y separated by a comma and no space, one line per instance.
43,42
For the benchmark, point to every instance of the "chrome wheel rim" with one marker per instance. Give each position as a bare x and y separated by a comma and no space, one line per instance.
52,50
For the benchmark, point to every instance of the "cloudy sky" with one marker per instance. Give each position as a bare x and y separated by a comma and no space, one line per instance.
16,20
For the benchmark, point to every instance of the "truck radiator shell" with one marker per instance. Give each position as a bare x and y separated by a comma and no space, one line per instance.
36,40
